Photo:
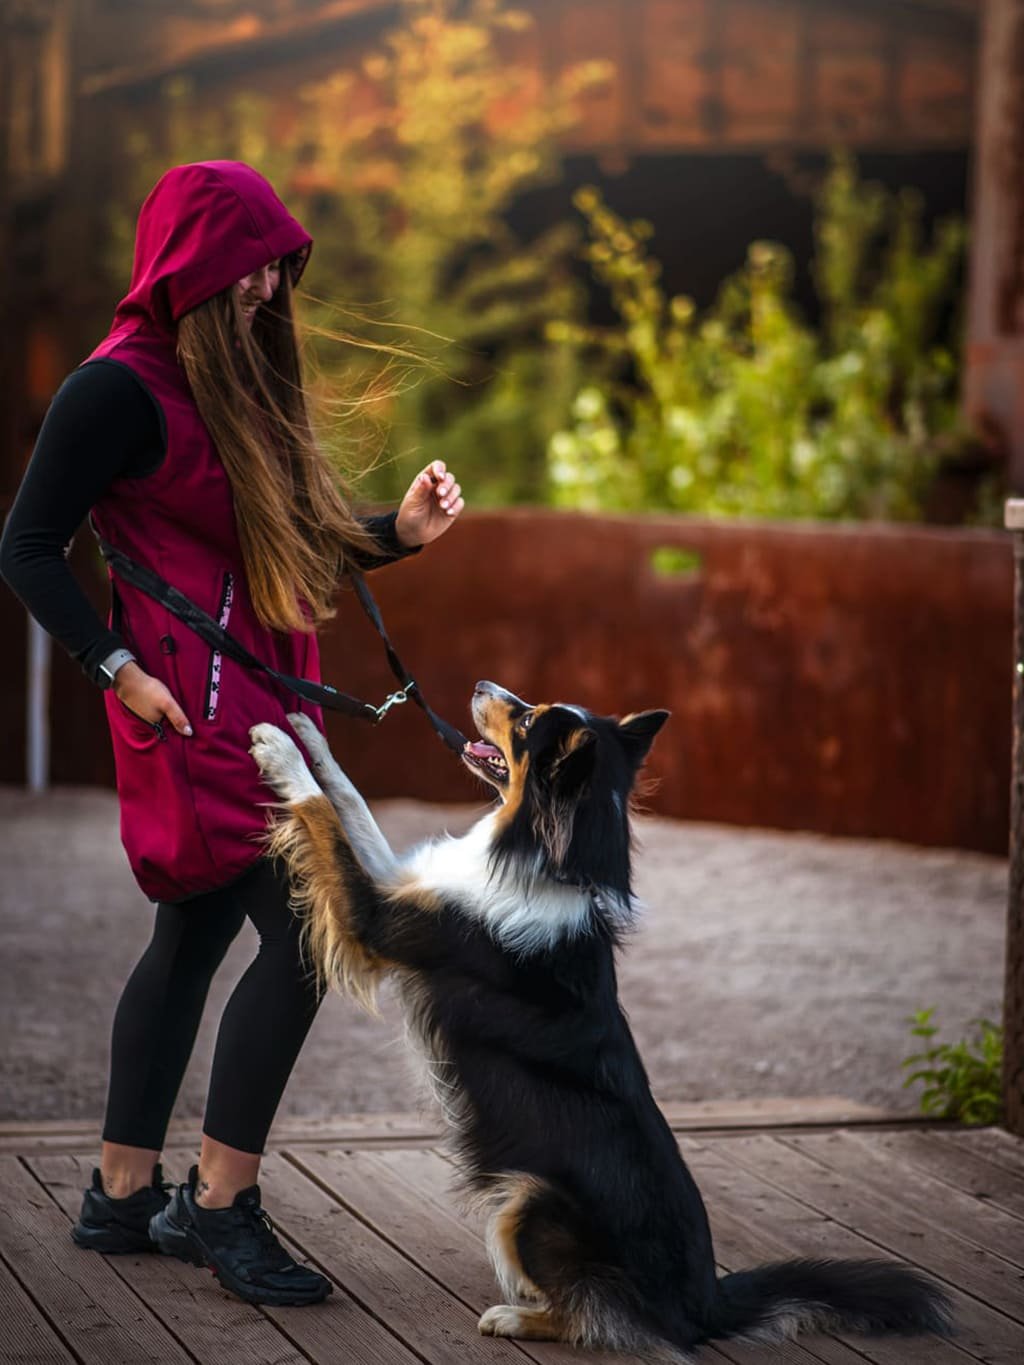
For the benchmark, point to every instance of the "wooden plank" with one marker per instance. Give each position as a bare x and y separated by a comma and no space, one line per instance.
108,1323
194,48
413,1129
899,1223
984,1325
422,1313
214,1324
428,1176
76,1135
965,1170
27,1335
770,1223
950,1211
339,1332
994,1144
778,1112
189,1143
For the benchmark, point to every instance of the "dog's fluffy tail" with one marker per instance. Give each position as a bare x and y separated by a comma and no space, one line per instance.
773,1302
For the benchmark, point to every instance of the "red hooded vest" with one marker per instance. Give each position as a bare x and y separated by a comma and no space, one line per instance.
193,808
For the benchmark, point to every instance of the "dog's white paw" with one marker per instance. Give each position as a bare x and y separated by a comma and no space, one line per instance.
499,1321
529,1324
282,766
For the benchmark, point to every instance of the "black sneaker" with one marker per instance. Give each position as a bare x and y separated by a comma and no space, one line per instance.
239,1246
120,1225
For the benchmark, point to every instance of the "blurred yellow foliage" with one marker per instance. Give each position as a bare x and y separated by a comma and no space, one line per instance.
748,411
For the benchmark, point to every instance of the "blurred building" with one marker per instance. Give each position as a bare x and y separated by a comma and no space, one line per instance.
712,104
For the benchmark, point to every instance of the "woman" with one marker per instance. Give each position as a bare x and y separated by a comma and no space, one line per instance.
186,434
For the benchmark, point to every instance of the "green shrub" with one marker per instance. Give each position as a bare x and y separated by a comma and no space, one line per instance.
961,1080
747,410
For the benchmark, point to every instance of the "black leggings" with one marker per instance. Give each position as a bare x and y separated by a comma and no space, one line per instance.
261,1032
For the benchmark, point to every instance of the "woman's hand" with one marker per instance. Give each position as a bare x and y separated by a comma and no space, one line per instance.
433,502
148,697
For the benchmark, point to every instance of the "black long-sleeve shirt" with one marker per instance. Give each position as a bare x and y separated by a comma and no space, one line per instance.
102,424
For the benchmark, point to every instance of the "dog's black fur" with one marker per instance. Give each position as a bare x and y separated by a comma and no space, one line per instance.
597,1223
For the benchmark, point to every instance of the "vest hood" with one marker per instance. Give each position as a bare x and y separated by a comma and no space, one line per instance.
202,227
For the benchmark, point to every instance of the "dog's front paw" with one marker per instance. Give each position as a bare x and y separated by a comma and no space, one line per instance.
530,1324
282,766
499,1321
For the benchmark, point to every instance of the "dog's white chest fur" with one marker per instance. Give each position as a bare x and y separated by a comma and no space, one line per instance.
522,908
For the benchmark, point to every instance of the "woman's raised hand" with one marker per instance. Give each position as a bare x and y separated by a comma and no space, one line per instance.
433,502
148,697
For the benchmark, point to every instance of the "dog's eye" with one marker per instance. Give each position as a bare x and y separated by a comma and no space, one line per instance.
525,722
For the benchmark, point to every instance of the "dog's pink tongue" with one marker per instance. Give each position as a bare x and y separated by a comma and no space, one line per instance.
479,749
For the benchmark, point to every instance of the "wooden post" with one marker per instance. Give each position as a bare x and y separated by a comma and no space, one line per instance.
994,372
1013,1000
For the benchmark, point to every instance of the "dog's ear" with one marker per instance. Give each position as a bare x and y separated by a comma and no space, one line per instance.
638,732
573,760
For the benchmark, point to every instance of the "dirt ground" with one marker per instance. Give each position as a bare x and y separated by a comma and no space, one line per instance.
765,963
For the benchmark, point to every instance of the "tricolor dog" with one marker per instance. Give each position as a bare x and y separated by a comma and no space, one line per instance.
502,944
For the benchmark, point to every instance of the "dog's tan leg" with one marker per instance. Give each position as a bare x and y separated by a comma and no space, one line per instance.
530,1324
309,837
502,1241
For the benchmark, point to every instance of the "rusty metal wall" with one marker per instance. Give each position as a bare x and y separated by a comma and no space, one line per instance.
849,680
854,681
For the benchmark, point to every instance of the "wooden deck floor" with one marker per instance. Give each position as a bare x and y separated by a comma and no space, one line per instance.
368,1204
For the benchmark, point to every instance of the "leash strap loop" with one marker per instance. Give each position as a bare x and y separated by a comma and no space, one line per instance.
320,694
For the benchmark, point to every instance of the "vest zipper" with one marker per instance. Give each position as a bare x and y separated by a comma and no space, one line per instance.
212,698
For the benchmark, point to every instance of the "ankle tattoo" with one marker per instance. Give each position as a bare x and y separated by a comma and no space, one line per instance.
119,1189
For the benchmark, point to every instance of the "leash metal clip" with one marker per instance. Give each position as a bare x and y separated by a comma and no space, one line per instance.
394,699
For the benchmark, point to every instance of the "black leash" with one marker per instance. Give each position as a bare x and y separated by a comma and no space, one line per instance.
321,694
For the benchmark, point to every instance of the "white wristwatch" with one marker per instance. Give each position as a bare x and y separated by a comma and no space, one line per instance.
108,668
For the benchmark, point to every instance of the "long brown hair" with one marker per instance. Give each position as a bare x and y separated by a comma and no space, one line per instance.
295,526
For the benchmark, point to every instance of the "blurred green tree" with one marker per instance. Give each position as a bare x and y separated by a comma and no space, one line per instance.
402,171
748,411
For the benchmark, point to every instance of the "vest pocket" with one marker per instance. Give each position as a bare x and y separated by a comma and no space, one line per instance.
154,727
212,692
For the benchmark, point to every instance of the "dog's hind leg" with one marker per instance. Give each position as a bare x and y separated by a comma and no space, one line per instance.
514,1194
542,1249
364,834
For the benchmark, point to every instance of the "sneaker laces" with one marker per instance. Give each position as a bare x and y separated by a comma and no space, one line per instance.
273,1256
